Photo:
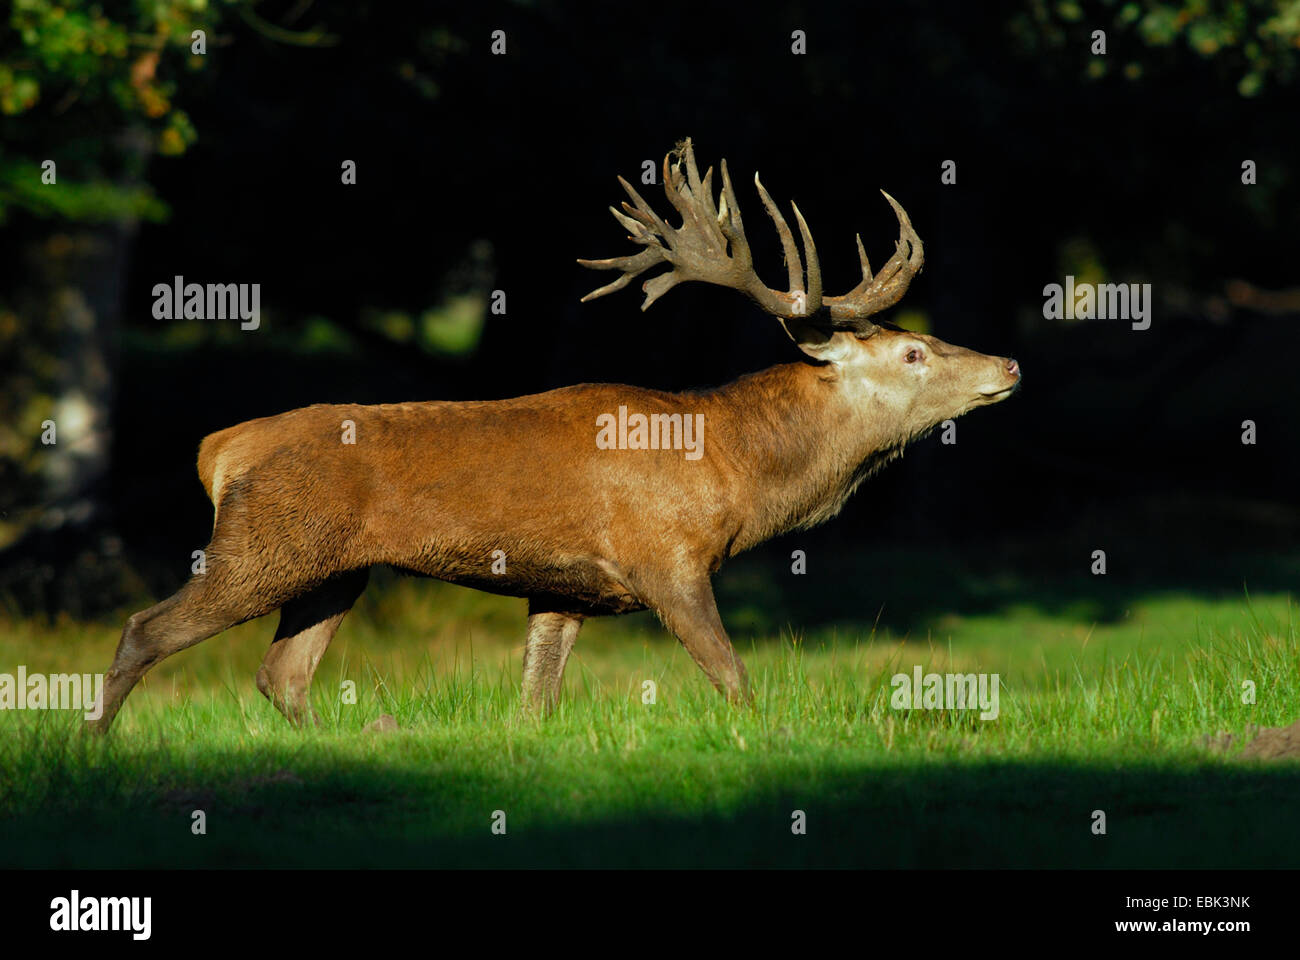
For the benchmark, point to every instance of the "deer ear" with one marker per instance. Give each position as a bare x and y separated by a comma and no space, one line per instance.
828,346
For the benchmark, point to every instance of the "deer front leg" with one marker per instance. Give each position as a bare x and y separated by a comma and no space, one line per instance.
551,636
691,613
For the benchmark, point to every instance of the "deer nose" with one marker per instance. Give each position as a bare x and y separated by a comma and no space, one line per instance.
1013,368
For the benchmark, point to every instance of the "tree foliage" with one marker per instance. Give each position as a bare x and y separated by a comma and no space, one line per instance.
95,88
1254,42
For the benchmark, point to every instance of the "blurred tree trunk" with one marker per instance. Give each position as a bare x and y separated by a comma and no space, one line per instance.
76,289
68,305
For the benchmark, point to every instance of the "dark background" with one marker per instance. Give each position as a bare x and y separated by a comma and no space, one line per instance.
479,172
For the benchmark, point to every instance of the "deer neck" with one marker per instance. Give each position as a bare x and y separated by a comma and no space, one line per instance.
799,446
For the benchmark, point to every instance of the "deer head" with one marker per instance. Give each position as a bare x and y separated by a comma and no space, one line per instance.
914,379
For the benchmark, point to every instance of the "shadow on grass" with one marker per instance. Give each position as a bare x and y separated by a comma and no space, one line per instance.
988,814
912,591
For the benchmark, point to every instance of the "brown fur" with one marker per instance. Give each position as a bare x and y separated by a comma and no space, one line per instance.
435,488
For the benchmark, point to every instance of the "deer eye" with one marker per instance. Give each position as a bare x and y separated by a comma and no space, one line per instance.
912,355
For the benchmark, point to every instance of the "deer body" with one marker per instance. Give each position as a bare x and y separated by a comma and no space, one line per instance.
517,497
425,487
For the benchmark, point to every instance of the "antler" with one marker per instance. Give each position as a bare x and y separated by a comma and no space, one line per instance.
698,250
886,288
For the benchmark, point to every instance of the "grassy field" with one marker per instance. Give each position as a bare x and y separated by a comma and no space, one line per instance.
1106,697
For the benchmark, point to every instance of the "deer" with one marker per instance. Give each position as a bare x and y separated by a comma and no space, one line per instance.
519,497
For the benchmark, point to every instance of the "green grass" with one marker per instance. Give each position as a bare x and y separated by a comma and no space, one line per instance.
1100,709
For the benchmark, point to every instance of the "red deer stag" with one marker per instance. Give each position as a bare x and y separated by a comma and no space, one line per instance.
542,497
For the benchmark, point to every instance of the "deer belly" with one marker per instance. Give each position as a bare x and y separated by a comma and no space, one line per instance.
591,584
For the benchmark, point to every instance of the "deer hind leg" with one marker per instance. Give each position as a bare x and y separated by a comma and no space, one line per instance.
250,572
307,625
204,607
691,614
551,636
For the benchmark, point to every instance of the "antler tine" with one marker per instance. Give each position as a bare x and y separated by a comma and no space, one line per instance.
634,227
887,287
632,266
687,149
732,224
902,259
814,302
793,265
642,211
862,257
